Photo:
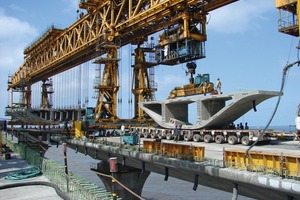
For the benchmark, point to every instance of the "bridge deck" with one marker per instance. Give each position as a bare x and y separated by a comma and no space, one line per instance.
252,184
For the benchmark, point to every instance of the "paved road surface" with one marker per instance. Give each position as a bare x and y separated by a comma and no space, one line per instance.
27,191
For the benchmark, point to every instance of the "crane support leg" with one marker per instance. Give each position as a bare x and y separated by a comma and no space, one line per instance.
141,87
106,108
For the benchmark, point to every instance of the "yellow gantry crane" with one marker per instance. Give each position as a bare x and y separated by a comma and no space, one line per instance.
107,26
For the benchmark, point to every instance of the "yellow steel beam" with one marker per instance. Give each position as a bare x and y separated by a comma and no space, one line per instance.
109,20
283,3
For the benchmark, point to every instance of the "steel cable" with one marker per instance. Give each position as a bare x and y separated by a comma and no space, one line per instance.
261,134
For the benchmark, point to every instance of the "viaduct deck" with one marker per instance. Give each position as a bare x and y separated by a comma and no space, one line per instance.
251,184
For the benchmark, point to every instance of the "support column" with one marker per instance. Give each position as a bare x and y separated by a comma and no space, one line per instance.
132,178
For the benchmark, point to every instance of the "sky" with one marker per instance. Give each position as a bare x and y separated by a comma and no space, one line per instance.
244,49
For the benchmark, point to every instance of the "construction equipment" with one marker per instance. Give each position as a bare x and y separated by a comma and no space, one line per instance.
215,115
98,34
198,85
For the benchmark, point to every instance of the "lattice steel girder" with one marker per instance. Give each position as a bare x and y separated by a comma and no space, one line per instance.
141,87
111,20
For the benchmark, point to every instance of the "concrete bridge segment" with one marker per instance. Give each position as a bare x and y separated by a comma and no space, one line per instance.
213,111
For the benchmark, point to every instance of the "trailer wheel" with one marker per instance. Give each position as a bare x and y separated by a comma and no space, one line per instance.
245,141
207,138
232,139
146,134
160,136
169,136
153,135
187,137
196,138
219,139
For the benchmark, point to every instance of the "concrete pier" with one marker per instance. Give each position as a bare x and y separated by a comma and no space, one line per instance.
133,178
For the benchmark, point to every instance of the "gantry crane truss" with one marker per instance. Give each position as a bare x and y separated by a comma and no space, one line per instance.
107,26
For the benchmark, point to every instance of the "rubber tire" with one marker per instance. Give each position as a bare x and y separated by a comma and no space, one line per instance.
232,140
146,135
153,135
187,137
219,139
169,136
208,138
160,136
196,137
245,141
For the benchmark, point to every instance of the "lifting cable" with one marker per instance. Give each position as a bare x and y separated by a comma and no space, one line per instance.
86,84
130,77
79,81
283,80
120,82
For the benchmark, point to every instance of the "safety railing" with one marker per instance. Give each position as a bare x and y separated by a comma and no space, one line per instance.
74,186
287,22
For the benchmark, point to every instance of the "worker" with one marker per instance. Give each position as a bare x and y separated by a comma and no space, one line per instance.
246,125
219,84
176,134
241,126
66,127
204,87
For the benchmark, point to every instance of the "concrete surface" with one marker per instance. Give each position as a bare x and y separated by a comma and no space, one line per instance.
33,188
254,185
211,110
213,150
